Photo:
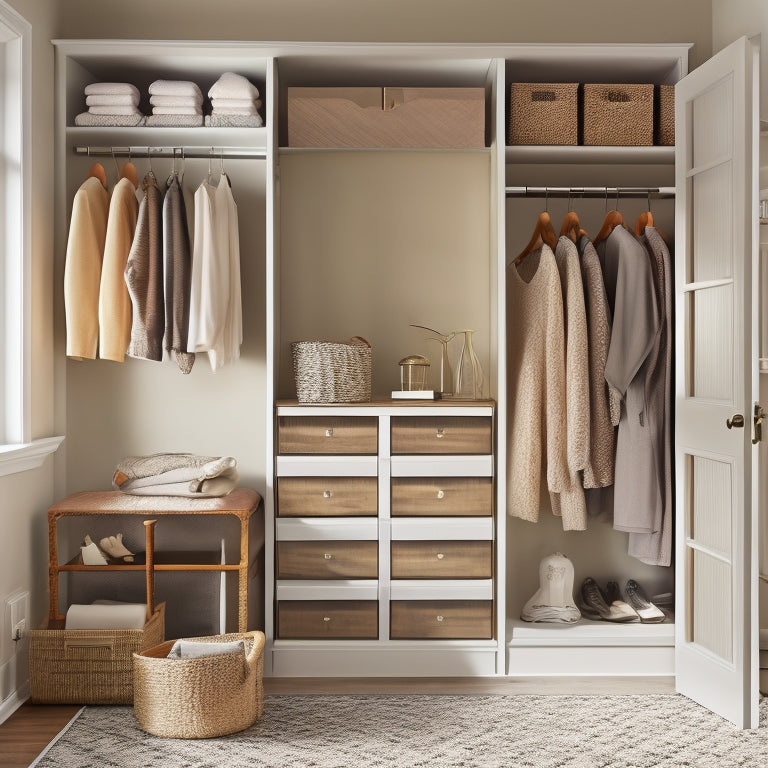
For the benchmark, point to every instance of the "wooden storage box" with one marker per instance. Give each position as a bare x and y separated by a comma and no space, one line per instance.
328,619
441,619
618,115
665,115
441,435
386,117
327,435
543,113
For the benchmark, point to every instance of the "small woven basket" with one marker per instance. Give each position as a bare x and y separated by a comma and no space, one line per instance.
618,115
330,372
665,126
543,113
199,698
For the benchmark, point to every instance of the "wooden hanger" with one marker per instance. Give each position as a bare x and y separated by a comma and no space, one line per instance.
543,233
97,170
613,219
572,227
644,220
128,171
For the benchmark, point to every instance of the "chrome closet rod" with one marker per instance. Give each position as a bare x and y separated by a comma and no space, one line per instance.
654,192
213,153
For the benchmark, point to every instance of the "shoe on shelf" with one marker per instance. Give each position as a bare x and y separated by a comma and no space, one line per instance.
114,547
646,610
615,600
91,554
594,604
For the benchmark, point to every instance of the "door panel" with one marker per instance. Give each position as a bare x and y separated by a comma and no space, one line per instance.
716,379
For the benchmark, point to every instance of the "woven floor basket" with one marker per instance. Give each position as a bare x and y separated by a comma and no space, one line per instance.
88,666
543,113
618,115
330,372
199,698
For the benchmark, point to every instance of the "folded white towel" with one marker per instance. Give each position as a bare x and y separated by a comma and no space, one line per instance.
173,121
176,101
217,103
112,89
174,88
123,100
235,111
102,616
233,86
109,121
115,109
177,110
233,121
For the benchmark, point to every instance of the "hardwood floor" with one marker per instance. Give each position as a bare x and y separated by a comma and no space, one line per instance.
31,727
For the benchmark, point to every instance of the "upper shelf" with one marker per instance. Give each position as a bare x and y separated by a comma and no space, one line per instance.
581,155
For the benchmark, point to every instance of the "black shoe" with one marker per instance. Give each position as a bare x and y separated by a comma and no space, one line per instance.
594,604
647,611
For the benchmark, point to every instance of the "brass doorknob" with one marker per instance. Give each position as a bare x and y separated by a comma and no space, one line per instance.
736,421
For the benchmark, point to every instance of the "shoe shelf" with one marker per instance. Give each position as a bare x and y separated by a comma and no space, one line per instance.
591,633
164,561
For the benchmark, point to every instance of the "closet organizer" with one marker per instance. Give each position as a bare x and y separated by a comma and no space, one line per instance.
341,242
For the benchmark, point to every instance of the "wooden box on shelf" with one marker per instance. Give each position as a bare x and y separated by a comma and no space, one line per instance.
373,117
543,114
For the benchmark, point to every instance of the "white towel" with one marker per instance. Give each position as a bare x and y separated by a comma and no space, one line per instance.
233,86
106,616
174,88
174,121
123,100
109,121
115,109
112,89
177,110
233,121
235,111
176,101
218,103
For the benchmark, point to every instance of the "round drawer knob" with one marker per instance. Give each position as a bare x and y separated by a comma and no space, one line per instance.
329,432
327,555
440,555
441,494
440,618
440,432
327,494
326,618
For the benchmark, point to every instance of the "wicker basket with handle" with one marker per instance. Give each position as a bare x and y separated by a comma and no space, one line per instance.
543,113
331,372
618,115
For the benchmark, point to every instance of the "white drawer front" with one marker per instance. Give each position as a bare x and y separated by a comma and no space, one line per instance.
327,529
448,589
442,466
327,466
352,589
441,528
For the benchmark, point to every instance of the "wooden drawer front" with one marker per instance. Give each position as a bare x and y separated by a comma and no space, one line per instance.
327,434
327,559
327,496
442,496
444,619
442,560
315,620
446,434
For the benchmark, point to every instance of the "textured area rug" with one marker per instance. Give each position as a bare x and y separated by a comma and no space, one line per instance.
352,731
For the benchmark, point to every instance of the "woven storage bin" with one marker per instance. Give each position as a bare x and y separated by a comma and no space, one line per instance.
86,666
330,372
543,113
203,697
618,115
665,121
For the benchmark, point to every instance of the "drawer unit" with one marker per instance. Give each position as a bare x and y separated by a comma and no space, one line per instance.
441,496
328,620
327,435
327,559
441,619
442,435
442,559
327,497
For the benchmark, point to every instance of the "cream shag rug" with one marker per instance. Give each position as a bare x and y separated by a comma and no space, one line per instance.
447,731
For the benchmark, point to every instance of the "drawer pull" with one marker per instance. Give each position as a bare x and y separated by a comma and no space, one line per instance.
440,618
327,555
326,618
440,432
329,432
440,555
441,494
327,494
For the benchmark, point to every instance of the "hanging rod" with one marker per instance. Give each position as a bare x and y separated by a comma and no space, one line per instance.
657,193
228,153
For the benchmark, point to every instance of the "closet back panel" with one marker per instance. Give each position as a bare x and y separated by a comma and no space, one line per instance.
141,407
371,242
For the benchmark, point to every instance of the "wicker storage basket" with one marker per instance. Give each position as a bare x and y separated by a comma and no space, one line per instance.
618,115
665,121
543,113
199,698
329,372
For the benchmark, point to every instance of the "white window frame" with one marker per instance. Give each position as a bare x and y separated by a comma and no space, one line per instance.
18,451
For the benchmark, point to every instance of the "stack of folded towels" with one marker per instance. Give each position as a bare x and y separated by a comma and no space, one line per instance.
235,103
176,103
111,104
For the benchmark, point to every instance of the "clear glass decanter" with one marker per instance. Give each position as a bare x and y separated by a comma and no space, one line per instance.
470,380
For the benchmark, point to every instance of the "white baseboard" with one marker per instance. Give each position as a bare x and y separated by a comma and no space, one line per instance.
13,702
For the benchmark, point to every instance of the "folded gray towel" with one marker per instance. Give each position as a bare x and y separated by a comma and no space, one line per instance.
174,121
111,121
233,121
196,649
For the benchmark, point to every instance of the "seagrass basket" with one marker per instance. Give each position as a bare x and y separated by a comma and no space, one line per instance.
665,107
543,113
331,372
199,698
618,115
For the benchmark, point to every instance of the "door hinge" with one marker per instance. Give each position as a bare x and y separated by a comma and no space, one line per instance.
757,424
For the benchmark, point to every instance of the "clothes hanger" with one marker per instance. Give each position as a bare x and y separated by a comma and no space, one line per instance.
222,172
612,220
544,232
571,225
97,171
645,219
128,171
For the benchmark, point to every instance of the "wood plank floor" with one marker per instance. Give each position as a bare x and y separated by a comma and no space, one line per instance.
26,733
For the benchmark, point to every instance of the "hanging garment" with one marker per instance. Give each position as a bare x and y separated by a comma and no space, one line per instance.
577,419
215,316
144,275
82,268
535,384
656,548
599,471
632,300
114,299
177,257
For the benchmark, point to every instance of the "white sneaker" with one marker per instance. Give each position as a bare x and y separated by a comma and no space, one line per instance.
114,547
91,554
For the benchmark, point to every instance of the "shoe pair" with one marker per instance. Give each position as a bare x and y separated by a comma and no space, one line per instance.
597,605
110,545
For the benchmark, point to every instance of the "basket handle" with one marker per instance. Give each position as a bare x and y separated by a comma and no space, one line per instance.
365,341
89,641
149,566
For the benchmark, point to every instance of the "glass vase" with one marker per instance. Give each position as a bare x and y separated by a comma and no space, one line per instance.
470,380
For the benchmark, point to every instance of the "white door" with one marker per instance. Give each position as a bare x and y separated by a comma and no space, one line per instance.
716,357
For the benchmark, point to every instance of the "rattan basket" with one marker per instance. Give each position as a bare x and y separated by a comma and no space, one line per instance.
618,115
199,698
543,113
330,372
665,125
